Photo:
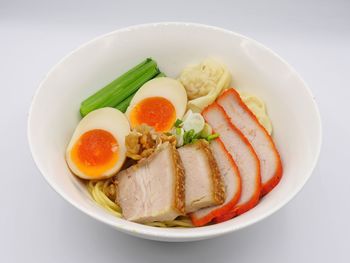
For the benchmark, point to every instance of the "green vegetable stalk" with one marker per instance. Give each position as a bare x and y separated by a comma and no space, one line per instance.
122,106
125,103
121,88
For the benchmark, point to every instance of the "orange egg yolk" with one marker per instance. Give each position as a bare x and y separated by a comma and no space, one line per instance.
157,112
95,152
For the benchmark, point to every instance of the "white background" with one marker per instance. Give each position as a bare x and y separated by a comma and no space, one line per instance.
36,225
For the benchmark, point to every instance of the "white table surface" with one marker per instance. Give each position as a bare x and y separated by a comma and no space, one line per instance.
37,225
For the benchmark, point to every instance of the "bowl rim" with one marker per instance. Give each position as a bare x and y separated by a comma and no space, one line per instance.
168,234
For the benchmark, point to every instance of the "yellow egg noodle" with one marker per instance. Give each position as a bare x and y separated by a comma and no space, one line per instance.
96,189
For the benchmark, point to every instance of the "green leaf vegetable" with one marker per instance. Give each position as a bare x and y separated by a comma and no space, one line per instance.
178,123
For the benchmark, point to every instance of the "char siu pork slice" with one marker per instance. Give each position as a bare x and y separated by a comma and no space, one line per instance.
243,155
232,182
247,123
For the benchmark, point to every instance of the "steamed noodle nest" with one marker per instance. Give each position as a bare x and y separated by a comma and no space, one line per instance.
98,190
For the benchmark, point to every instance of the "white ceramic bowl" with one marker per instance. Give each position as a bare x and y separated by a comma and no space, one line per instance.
55,110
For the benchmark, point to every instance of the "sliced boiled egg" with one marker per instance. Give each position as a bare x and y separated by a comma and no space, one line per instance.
97,149
158,103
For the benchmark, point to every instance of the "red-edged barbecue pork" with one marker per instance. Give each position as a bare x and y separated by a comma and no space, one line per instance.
247,123
232,183
244,156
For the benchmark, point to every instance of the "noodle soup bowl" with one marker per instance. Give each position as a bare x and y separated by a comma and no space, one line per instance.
54,112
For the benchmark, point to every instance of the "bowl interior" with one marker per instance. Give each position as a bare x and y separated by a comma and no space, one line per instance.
55,109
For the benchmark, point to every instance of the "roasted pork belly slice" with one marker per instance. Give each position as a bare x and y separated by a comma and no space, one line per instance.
242,153
247,123
203,182
232,183
153,189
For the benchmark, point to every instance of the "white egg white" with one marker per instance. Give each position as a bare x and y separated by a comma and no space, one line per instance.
165,87
108,119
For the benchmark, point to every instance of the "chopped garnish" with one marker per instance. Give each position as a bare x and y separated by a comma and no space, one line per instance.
212,137
143,140
197,136
192,128
207,130
178,131
178,123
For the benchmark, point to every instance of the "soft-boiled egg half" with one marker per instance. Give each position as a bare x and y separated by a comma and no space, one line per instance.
97,149
158,103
